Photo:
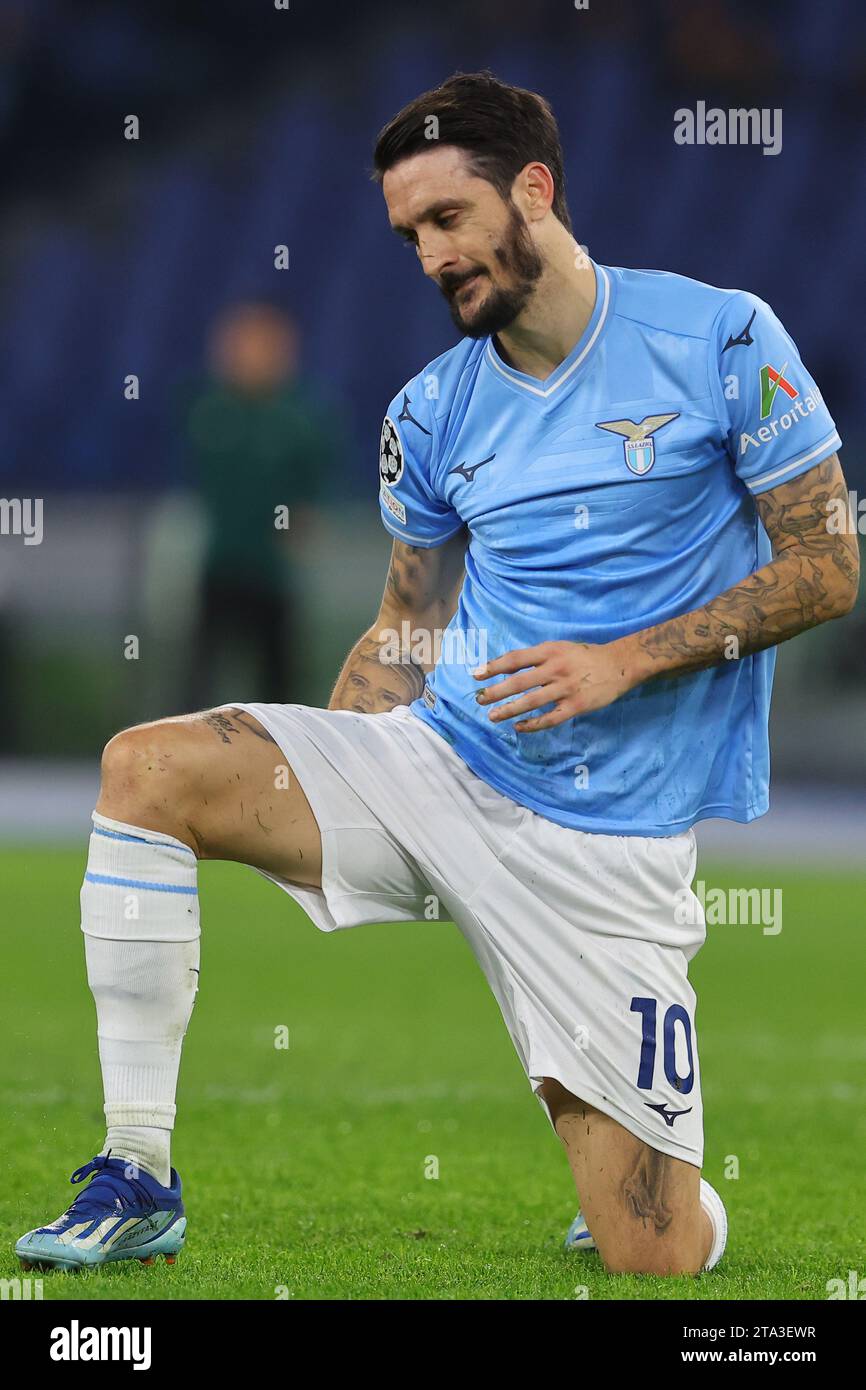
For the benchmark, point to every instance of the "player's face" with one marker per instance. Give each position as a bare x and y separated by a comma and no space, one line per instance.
473,244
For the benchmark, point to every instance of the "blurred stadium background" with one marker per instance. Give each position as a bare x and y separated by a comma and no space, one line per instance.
130,258
256,127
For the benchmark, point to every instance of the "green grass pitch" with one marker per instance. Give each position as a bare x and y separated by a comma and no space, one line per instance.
304,1168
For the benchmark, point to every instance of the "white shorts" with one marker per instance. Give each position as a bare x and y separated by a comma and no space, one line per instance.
584,938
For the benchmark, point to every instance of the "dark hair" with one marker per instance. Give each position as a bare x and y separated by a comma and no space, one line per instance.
503,129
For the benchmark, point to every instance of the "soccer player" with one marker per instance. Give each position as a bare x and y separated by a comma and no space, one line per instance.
611,497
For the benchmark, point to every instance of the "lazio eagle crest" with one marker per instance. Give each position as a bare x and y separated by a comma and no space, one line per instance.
638,444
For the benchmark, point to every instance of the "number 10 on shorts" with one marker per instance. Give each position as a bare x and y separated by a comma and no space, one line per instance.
648,1010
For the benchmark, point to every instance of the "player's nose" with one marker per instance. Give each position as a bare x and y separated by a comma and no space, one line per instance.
436,259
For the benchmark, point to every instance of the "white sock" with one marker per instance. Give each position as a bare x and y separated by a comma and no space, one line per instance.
140,918
715,1209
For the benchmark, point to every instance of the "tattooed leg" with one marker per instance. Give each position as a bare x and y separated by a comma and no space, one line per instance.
641,1206
644,1190
234,721
221,724
218,782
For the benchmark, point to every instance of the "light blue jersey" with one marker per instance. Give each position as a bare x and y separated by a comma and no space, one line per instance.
611,496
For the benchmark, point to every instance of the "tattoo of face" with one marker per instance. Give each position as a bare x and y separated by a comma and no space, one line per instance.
372,686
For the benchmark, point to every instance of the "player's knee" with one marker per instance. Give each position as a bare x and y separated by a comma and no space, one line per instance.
148,774
639,1247
131,757
667,1263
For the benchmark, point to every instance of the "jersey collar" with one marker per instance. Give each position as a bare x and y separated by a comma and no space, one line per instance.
571,364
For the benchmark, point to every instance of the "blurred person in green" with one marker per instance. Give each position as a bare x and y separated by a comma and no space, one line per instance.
258,447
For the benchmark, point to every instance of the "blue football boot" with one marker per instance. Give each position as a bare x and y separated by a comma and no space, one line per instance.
578,1237
116,1217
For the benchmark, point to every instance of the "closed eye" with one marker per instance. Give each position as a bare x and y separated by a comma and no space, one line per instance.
444,220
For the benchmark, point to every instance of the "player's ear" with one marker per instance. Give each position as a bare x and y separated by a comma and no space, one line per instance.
533,190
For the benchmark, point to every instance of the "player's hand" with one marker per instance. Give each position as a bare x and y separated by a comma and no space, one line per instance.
576,676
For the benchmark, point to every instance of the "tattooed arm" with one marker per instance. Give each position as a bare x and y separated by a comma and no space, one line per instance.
421,590
813,577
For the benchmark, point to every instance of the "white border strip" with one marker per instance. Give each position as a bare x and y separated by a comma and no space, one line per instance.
821,448
539,390
423,541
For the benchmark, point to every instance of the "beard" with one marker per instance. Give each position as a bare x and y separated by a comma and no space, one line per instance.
517,255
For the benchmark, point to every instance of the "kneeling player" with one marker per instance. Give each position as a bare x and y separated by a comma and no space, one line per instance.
617,483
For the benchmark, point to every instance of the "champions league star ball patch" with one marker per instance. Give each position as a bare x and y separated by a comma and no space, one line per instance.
390,454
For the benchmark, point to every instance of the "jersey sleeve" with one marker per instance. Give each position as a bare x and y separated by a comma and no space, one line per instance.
773,414
410,506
